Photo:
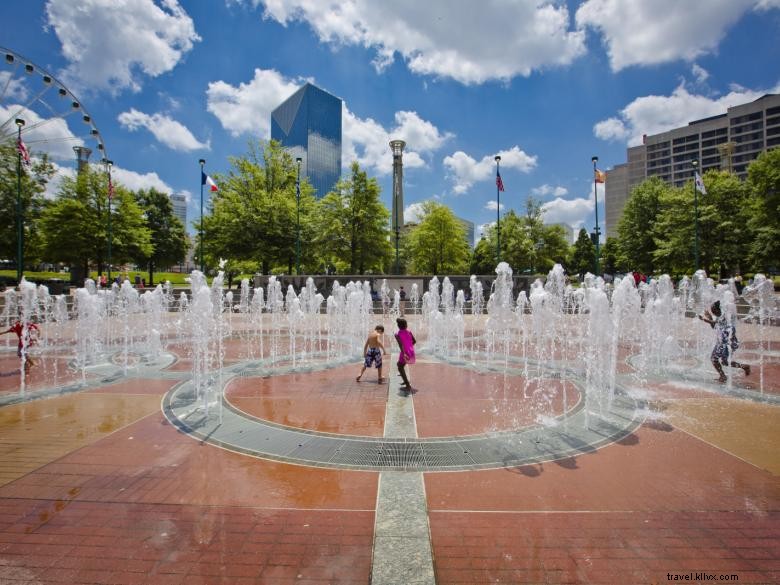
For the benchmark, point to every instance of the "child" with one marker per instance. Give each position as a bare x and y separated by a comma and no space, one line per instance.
726,342
373,354
406,343
27,332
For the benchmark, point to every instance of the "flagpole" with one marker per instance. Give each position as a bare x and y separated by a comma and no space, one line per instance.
298,161
110,197
497,158
19,216
202,180
595,159
694,164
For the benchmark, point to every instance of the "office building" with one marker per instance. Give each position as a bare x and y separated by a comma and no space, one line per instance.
179,202
727,142
308,125
469,226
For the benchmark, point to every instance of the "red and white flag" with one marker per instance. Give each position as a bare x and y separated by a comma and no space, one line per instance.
23,152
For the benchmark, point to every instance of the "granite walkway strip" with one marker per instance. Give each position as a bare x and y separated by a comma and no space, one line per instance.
402,544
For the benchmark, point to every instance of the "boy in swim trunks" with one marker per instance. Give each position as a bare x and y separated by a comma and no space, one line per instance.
373,350
27,337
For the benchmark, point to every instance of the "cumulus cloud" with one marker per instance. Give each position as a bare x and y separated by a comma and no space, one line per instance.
135,181
246,109
413,213
545,190
484,227
656,113
637,32
700,74
53,185
49,135
367,141
577,212
533,34
171,133
494,205
109,43
464,170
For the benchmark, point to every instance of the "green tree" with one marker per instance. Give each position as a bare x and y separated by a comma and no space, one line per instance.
610,254
33,185
438,243
253,217
75,225
636,239
167,232
764,222
353,225
483,258
584,256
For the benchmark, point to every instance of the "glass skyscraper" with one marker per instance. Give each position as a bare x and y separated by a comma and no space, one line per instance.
308,125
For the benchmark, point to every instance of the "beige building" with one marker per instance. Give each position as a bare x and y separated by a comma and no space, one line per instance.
728,141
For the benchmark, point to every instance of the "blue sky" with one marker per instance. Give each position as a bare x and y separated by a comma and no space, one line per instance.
545,84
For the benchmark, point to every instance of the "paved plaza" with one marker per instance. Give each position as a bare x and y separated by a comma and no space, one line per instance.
493,470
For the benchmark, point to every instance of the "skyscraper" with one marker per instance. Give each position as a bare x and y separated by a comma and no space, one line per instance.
179,202
308,125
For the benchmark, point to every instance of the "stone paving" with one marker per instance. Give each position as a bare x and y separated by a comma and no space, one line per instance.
110,476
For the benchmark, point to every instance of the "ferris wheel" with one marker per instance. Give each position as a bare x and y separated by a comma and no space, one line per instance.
47,115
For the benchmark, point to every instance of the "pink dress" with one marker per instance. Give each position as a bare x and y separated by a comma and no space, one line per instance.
404,337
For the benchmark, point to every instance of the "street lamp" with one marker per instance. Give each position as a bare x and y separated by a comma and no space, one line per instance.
298,161
499,187
694,164
109,164
595,159
202,182
19,215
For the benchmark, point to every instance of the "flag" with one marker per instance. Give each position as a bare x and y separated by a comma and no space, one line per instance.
699,184
600,176
206,180
110,188
23,151
499,182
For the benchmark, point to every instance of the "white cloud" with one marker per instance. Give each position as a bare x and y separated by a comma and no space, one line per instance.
14,88
246,109
49,135
637,32
110,42
545,190
135,181
53,185
367,141
654,113
484,227
465,170
494,205
699,73
171,133
471,43
578,212
413,213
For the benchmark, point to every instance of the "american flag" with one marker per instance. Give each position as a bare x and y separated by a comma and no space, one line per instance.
499,182
110,188
23,151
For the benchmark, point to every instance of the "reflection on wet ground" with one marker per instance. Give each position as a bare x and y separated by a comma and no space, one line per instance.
96,486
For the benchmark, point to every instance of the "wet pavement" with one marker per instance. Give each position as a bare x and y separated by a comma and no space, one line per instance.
99,485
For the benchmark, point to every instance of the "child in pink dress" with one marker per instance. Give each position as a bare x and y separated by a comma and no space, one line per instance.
406,343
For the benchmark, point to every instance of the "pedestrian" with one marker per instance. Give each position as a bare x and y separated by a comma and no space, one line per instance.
373,350
726,342
26,338
406,342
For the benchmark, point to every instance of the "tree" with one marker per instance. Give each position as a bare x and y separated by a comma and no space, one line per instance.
610,254
635,229
75,226
483,259
764,223
584,257
438,243
33,185
253,217
168,238
352,224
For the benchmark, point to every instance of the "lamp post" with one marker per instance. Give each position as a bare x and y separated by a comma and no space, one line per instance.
497,158
109,164
694,164
298,161
202,181
397,147
595,159
19,215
